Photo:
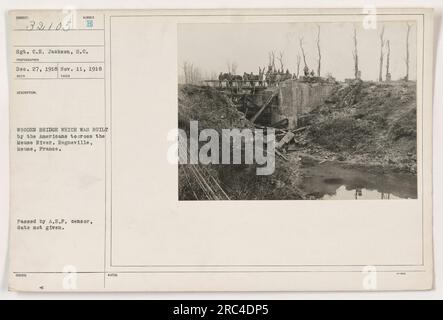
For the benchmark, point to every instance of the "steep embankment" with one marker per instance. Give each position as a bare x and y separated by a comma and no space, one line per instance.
214,110
366,123
210,107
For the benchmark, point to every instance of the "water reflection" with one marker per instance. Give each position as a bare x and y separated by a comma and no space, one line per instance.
359,194
332,181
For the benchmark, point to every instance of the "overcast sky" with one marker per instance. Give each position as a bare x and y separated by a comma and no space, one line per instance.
210,46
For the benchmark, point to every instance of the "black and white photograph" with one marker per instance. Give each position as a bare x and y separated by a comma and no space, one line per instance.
338,99
176,151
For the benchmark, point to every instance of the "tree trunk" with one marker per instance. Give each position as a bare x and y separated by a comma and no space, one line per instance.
355,53
273,61
280,59
407,52
382,55
388,60
319,52
298,65
303,53
185,71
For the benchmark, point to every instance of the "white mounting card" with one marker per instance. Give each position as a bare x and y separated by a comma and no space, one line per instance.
221,150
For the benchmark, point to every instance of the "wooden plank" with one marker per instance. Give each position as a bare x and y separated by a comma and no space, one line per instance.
259,112
286,139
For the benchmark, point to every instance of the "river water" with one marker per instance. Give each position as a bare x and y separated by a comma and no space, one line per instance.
334,181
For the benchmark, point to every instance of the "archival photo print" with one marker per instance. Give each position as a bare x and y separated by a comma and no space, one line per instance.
297,111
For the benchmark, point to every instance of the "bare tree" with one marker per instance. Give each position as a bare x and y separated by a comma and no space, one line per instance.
280,59
272,57
382,53
228,64
185,71
298,64
188,72
303,53
407,51
191,73
196,77
355,54
388,60
319,51
234,67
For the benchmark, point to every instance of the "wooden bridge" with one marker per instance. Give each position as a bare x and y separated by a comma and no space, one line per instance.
238,84
277,104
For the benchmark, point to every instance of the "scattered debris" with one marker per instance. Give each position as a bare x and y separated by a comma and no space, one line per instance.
281,155
282,124
286,139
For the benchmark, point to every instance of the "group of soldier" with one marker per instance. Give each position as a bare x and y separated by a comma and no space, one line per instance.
264,78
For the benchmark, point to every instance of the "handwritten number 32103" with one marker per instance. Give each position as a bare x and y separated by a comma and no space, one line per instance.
42,26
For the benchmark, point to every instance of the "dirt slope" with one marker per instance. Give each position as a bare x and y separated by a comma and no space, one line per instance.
215,110
368,122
